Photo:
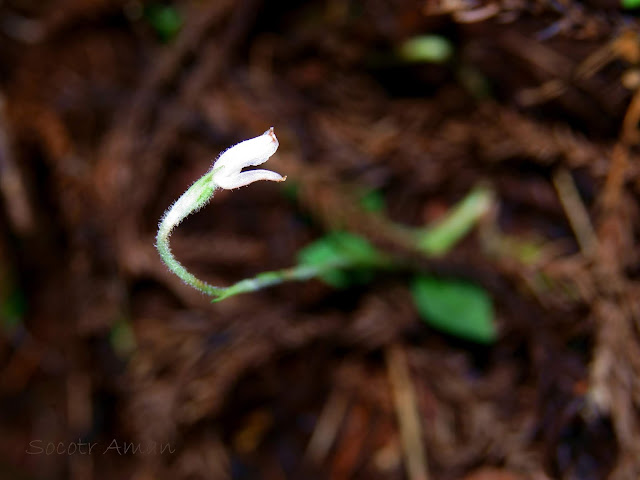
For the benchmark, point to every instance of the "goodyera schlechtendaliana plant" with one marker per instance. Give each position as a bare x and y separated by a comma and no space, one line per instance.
337,252
226,173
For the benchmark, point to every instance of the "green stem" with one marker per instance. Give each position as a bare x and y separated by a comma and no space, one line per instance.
196,197
440,238
296,273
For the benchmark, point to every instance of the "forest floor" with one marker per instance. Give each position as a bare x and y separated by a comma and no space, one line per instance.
110,109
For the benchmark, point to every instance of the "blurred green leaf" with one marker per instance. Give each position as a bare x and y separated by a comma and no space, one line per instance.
455,307
630,4
122,338
372,201
474,81
12,309
426,49
350,255
290,189
165,20
322,252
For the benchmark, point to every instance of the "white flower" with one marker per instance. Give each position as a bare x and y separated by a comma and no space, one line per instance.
228,172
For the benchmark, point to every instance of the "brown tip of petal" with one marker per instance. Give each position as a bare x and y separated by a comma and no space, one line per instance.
272,134
283,179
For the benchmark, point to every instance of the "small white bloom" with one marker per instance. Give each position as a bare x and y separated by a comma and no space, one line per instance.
255,151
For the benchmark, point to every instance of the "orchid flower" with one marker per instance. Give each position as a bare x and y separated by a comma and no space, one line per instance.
226,173
249,153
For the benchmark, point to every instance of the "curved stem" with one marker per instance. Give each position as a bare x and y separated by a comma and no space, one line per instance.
296,273
196,197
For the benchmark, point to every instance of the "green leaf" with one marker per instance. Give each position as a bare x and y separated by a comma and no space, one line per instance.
372,201
474,81
165,20
455,307
12,310
122,337
426,49
347,258
291,190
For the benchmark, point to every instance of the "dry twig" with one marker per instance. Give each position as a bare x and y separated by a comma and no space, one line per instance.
407,412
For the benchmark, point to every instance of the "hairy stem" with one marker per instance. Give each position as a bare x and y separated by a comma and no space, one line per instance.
268,279
196,197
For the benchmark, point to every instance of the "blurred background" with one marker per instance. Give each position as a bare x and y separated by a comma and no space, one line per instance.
511,354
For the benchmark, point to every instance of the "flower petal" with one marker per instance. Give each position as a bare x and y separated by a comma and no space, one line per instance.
245,178
254,151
